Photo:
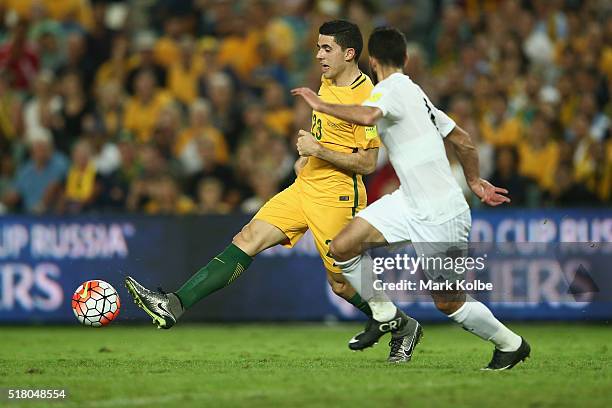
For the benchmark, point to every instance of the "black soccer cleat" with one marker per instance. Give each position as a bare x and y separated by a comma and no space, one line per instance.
505,360
402,346
155,304
401,325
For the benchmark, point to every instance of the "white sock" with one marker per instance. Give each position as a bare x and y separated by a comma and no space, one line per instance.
382,310
475,317
358,272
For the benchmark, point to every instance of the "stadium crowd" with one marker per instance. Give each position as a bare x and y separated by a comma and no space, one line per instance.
168,107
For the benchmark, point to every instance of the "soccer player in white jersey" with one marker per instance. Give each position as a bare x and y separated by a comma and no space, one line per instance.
428,209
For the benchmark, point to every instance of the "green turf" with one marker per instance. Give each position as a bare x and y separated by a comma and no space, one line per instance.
300,365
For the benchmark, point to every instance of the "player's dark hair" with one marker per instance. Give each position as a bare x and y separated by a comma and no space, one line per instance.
346,35
388,46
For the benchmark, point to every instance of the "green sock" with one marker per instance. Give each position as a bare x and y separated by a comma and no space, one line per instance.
222,270
360,304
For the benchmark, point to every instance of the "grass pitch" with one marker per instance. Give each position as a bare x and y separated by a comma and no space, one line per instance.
299,365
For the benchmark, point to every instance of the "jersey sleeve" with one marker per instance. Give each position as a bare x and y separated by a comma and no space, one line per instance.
384,98
366,137
444,122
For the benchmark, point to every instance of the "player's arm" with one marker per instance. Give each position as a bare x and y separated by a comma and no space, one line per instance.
363,161
357,114
467,153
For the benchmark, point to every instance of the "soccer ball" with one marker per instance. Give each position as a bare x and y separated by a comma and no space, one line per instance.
95,303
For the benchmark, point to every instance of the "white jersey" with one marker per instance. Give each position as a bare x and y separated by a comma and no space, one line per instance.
412,129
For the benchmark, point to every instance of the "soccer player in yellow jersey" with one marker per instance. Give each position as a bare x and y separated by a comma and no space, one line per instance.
328,191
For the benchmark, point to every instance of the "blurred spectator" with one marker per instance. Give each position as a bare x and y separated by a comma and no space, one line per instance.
539,153
143,109
99,38
10,112
49,38
210,168
116,67
186,147
116,186
77,60
104,151
184,72
18,58
462,112
240,48
145,61
226,110
210,197
7,174
167,49
110,99
82,186
278,117
152,167
498,127
521,190
567,192
269,70
264,186
38,180
166,198
70,11
75,106
593,167
167,128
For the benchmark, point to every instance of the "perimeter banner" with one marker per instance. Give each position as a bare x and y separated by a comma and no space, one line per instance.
544,265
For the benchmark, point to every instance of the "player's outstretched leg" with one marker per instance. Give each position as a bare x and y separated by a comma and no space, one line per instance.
221,271
475,317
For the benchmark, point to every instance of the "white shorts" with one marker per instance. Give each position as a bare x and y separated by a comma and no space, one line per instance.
391,217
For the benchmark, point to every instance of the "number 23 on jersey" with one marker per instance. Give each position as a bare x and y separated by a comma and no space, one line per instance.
316,128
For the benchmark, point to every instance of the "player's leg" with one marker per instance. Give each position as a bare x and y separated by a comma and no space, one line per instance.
375,226
476,318
227,266
346,248
277,222
472,315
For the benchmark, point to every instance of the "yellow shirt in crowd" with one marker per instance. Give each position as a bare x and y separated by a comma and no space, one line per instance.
209,132
140,118
183,83
539,165
508,133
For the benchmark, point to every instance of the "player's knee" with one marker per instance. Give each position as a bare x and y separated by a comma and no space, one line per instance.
246,239
341,287
341,250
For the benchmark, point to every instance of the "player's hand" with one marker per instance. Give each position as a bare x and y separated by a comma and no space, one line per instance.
306,144
309,96
488,193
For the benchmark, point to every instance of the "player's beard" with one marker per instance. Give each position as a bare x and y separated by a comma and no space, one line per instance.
373,75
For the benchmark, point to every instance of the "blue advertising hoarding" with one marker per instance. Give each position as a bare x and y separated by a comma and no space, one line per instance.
44,259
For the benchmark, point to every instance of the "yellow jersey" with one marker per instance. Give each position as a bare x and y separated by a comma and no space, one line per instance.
321,181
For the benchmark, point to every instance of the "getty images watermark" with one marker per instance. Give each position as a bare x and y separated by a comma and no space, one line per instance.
569,273
444,273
